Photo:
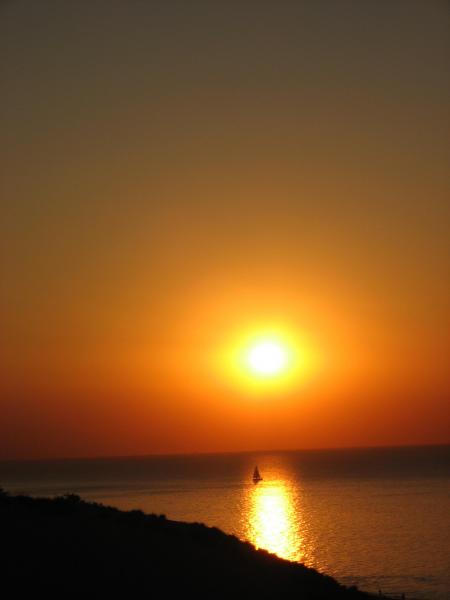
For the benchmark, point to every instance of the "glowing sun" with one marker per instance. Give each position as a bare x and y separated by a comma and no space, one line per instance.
267,358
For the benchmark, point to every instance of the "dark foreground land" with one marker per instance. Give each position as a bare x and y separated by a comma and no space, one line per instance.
65,545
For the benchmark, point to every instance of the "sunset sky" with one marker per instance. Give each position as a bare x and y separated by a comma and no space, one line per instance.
179,179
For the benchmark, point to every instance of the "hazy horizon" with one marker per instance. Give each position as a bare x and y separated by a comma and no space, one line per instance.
212,453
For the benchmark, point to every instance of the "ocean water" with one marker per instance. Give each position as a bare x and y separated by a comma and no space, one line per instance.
375,518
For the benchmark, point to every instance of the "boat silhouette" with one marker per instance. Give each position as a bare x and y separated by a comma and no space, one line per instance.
256,475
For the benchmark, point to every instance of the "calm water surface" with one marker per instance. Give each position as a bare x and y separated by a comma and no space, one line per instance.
375,518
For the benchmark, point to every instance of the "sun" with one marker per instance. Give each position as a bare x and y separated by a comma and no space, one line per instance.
267,358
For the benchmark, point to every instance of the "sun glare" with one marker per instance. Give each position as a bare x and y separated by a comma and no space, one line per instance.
267,358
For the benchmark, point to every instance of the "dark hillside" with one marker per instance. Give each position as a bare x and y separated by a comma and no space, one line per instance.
65,545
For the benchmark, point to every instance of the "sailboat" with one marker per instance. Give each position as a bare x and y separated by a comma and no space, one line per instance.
256,475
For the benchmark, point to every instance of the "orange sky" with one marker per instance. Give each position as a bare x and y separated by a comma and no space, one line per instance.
175,177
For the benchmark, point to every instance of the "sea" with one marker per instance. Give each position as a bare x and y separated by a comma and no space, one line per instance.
377,518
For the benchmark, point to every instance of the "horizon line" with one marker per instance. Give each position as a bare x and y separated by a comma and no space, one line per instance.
218,452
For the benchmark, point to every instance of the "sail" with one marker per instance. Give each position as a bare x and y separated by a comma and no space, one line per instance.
256,475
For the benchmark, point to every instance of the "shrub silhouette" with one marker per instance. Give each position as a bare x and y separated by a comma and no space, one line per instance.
65,545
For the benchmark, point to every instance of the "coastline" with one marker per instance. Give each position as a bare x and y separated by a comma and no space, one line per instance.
67,544
338,513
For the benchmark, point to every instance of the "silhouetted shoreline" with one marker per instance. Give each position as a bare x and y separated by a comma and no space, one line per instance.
65,545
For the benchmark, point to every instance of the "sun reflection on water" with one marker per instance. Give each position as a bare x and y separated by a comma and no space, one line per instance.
274,520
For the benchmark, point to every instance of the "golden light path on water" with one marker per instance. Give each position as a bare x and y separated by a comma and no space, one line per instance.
274,520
